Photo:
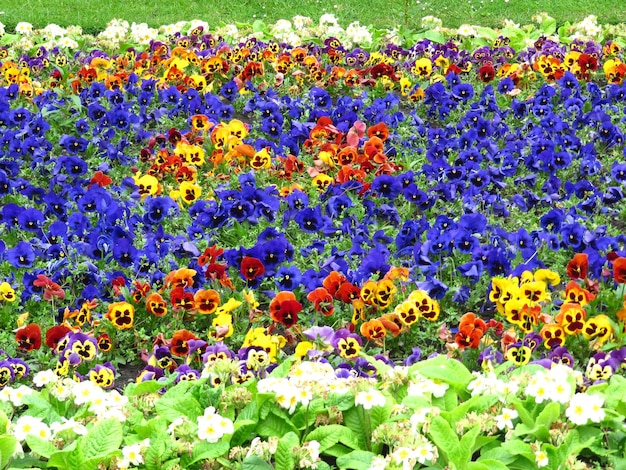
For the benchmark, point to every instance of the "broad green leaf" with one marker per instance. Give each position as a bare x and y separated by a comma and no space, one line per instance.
443,369
466,445
356,460
487,33
548,26
338,450
306,415
4,421
39,446
153,459
177,406
379,414
487,464
150,386
208,450
478,403
522,412
444,437
434,36
549,414
254,462
327,436
243,431
274,425
40,408
7,447
354,419
68,457
101,439
284,452
283,369
448,402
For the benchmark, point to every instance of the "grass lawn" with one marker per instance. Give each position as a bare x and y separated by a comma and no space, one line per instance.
93,15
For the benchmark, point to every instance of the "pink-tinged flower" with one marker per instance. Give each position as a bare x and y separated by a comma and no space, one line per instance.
51,290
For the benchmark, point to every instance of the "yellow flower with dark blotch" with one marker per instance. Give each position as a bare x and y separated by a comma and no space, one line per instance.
224,321
407,312
257,358
500,290
261,159
426,306
572,318
189,192
368,292
553,335
513,310
348,348
598,328
385,290
7,293
102,377
147,185
322,181
518,354
423,67
62,368
121,314
6,375
86,348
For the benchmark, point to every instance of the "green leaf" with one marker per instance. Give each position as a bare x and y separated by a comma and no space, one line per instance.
254,462
487,464
441,368
101,440
467,443
7,447
434,36
445,439
40,408
150,386
487,33
549,414
40,446
548,26
284,451
4,421
354,420
283,369
448,402
379,414
176,406
327,436
153,459
356,460
208,450
274,425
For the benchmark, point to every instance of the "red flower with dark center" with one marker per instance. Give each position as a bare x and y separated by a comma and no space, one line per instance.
322,301
28,337
578,266
251,268
348,292
181,299
179,346
284,309
51,290
55,334
486,73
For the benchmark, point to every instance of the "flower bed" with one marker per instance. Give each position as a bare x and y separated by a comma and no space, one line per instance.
316,247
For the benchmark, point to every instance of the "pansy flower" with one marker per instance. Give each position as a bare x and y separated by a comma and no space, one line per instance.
7,375
518,353
471,330
206,301
105,344
181,299
347,345
156,305
7,293
28,337
284,308
577,267
121,314
251,268
571,318
619,270
373,330
598,328
553,335
322,301
180,342
85,347
54,334
103,375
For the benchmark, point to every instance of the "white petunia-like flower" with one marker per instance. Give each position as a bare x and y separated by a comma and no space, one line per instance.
425,452
370,398
44,377
16,395
68,424
24,28
212,426
29,425
505,419
541,458
584,407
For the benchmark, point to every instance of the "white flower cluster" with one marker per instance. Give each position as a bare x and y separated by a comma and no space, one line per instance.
585,407
283,32
172,28
2,29
431,22
370,398
588,28
287,393
115,32
212,426
420,386
133,454
358,34
53,31
142,34
230,32
24,28
551,385
490,384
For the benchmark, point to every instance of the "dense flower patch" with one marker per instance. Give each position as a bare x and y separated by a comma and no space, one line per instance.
292,229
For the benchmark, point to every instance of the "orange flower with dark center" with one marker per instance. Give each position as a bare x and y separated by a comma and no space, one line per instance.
619,270
578,266
207,301
471,330
28,337
571,318
55,334
486,73
179,346
121,314
373,330
577,295
284,308
156,305
348,292
379,130
104,343
322,301
251,268
553,335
